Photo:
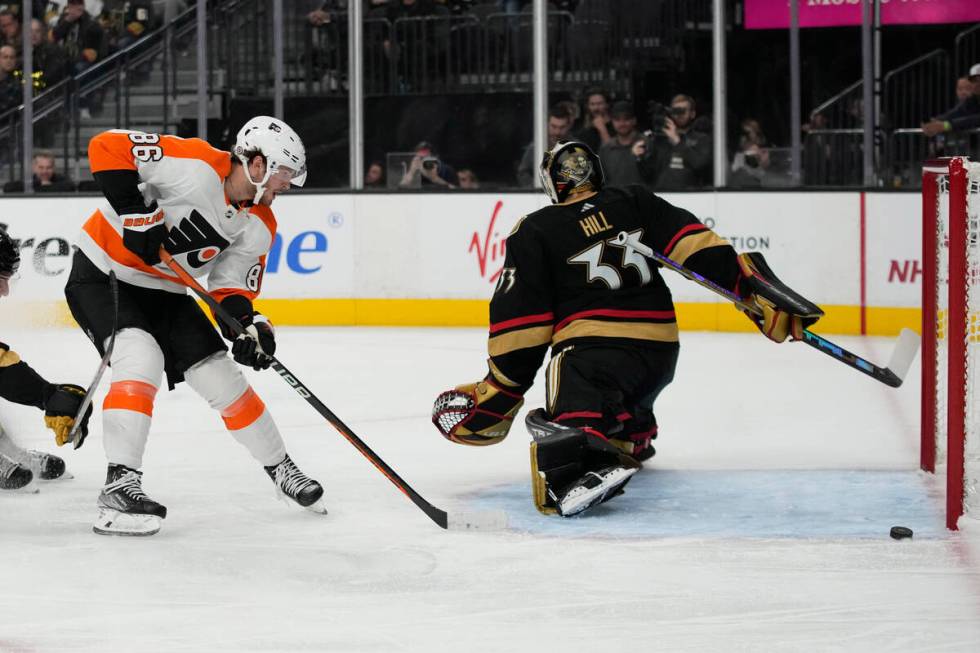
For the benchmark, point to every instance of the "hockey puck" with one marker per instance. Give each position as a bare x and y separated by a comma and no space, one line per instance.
900,533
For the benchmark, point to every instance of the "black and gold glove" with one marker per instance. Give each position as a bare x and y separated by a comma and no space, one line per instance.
776,309
478,413
60,410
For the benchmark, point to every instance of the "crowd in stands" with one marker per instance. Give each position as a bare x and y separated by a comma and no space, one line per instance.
67,39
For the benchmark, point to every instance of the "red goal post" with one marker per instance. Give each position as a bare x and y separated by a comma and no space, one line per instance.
951,330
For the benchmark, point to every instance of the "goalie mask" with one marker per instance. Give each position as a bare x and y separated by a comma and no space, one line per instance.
570,167
285,156
9,256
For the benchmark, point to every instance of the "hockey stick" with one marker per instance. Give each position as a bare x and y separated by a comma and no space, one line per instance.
893,375
76,436
440,517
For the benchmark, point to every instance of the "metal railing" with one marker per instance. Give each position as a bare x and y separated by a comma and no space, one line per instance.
915,91
966,50
908,148
833,157
842,111
138,87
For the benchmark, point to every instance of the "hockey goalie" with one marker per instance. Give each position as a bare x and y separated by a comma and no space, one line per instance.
574,280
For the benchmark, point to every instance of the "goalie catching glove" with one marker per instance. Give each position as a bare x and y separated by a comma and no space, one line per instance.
477,414
257,345
778,310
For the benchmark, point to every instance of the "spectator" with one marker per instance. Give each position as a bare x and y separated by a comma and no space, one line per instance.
964,88
511,6
125,21
409,9
751,163
559,127
468,179
596,127
428,169
374,176
572,109
46,180
10,30
681,156
11,92
49,58
328,40
80,35
965,115
619,161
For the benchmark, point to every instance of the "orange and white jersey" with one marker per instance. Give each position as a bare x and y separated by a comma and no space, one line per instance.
185,177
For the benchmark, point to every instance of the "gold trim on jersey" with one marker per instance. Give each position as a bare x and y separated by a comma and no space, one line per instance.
695,243
521,339
554,379
500,376
661,332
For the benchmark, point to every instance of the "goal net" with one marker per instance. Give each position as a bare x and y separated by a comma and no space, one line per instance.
951,330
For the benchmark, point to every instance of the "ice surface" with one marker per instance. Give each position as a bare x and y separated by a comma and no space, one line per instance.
761,525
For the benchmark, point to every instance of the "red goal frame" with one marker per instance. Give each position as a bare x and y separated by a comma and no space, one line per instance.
957,323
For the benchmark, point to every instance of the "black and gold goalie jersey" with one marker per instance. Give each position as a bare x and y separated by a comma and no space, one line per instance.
567,282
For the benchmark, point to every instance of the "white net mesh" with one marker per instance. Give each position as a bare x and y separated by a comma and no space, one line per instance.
942,311
972,430
946,341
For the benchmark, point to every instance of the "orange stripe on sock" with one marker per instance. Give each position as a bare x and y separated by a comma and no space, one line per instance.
130,395
243,411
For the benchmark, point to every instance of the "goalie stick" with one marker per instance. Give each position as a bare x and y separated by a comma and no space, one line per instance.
75,436
440,517
893,375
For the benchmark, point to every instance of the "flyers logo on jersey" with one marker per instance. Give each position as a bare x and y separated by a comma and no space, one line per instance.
197,238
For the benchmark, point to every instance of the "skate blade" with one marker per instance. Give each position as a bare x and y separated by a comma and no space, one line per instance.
67,476
113,522
581,499
317,507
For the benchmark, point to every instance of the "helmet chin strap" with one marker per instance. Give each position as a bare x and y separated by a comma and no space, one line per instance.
259,185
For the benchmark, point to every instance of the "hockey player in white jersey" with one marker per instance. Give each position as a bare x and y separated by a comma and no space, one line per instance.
210,210
20,384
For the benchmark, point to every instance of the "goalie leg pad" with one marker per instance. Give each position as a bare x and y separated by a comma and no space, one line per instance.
572,469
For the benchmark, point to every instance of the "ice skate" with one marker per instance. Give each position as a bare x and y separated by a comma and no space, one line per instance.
294,484
123,507
13,475
594,488
45,466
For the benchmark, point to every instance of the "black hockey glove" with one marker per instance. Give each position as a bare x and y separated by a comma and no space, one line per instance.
144,232
257,345
60,410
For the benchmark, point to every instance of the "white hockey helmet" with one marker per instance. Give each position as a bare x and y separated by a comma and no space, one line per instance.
283,150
